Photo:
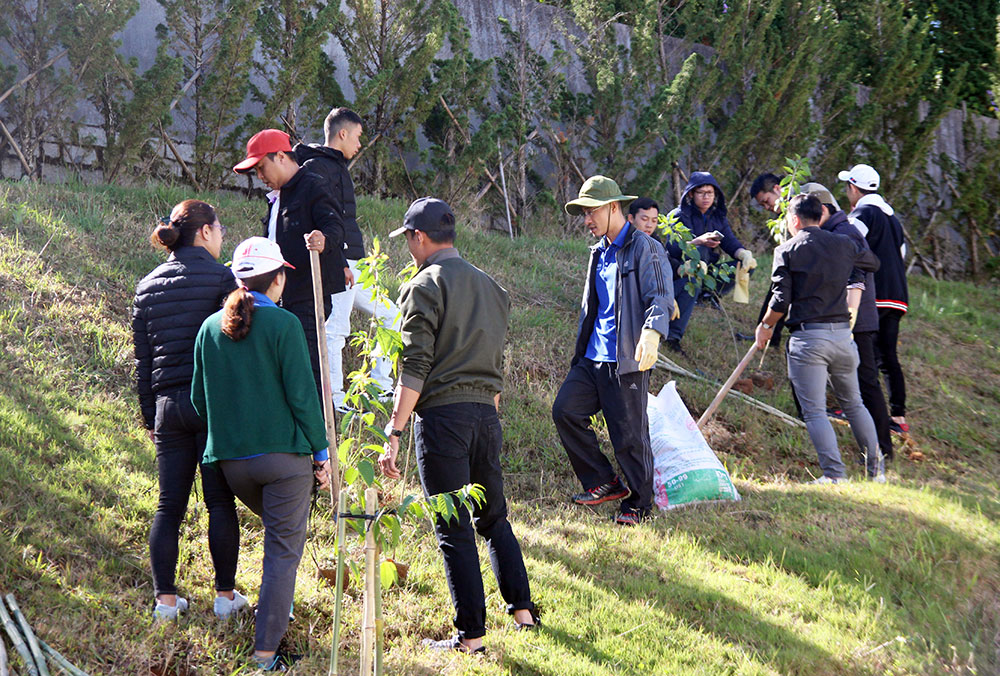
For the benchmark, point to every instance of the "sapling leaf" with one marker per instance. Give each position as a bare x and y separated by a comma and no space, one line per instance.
387,574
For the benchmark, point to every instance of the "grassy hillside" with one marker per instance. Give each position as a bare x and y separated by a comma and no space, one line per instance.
852,579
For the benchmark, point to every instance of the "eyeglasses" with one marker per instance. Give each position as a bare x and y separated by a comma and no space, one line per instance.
708,192
222,229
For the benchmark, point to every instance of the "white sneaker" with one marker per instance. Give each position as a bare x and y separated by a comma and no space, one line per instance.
879,478
224,607
828,480
164,612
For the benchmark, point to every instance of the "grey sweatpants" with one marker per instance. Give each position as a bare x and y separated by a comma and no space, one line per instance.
813,354
277,487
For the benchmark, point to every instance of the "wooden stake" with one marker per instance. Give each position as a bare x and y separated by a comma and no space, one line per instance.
710,411
324,375
506,200
180,160
339,594
30,76
17,149
379,622
368,617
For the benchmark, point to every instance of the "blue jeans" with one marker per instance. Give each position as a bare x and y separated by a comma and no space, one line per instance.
814,354
458,444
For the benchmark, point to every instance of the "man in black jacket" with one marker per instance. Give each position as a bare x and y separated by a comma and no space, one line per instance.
809,284
301,217
885,237
864,316
342,131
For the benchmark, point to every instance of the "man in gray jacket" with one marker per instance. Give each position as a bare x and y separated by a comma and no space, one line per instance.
627,302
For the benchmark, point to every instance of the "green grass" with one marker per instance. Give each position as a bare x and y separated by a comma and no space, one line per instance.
853,579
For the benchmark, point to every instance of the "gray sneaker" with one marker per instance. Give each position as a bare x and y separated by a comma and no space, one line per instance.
879,478
162,612
829,480
224,607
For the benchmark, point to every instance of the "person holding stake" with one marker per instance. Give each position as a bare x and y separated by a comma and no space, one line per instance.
266,434
451,374
627,301
170,305
809,284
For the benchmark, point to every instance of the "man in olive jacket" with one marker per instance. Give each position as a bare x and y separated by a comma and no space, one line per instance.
627,303
451,374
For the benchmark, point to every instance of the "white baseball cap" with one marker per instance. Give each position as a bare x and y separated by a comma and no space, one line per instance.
257,255
862,176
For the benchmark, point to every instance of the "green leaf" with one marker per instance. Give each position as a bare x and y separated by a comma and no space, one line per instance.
350,475
387,574
367,470
343,449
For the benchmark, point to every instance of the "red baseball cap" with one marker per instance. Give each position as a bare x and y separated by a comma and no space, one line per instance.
262,143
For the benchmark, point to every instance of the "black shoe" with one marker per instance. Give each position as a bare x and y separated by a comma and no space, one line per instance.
835,413
613,490
529,627
675,346
631,517
743,336
453,643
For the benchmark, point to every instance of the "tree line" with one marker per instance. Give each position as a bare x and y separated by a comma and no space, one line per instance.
731,88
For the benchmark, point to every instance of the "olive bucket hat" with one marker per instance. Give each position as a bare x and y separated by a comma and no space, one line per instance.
597,191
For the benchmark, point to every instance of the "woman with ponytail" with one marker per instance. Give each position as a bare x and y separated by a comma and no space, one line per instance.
253,384
170,305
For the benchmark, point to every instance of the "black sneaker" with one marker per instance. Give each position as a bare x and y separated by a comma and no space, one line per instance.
743,336
613,490
536,620
835,413
630,517
675,346
453,643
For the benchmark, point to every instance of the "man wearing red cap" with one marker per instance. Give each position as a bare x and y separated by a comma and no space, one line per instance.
302,217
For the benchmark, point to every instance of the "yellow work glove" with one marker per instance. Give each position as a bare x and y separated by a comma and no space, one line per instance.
704,267
645,350
676,313
746,257
853,311
741,291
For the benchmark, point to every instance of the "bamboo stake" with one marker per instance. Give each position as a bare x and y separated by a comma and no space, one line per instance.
18,642
379,623
324,375
31,76
339,595
180,160
36,651
4,671
710,411
368,618
66,665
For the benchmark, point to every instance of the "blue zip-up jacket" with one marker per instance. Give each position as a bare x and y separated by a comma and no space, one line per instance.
699,224
644,297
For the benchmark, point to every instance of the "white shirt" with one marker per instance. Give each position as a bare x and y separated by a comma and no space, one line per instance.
272,222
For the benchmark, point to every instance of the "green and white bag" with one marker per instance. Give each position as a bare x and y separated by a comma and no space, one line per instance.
685,470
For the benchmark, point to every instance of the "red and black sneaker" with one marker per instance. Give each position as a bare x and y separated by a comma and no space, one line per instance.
630,517
613,490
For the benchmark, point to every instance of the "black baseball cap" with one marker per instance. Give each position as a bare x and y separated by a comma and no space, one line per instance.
426,214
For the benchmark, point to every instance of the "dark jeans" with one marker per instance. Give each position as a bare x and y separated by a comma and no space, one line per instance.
871,390
305,311
888,335
685,301
458,444
595,386
179,435
277,488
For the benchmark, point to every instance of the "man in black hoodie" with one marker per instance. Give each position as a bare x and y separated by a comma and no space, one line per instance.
342,131
884,233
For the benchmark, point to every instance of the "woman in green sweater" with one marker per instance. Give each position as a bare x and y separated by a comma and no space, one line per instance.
253,384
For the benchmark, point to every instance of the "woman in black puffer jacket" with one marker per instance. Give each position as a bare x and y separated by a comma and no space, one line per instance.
170,305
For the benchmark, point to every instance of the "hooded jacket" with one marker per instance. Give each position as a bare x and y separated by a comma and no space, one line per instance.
644,297
331,165
698,223
867,312
885,237
171,303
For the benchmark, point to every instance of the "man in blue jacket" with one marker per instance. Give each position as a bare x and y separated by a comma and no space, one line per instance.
626,307
703,212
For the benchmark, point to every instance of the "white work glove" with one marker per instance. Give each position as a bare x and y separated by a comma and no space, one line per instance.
646,349
745,257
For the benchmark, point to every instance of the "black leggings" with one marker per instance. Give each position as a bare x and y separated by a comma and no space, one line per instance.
180,442
888,335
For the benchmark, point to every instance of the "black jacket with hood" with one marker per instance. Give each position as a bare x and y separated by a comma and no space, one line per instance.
867,313
698,223
885,237
331,165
